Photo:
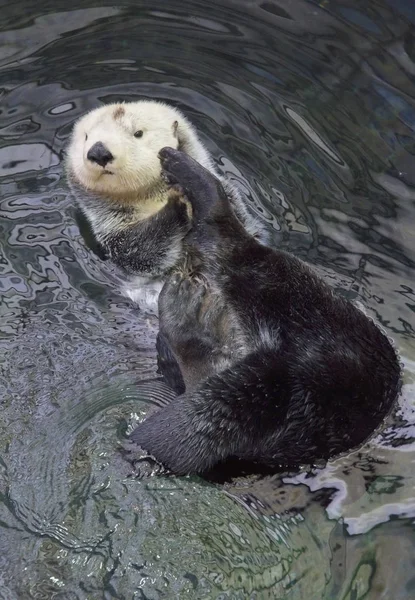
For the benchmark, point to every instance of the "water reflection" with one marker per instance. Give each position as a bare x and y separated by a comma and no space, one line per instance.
309,107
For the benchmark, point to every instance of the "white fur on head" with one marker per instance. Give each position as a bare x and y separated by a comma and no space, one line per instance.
135,169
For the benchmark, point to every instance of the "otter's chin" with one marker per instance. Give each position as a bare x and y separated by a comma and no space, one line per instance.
97,173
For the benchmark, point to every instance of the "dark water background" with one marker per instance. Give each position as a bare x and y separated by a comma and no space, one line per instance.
310,106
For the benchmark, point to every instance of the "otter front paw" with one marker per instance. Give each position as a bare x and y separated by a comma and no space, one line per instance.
179,168
201,187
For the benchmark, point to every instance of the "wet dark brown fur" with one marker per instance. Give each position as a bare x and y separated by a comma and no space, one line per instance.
276,369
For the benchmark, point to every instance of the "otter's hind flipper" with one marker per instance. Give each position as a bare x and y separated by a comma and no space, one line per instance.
236,413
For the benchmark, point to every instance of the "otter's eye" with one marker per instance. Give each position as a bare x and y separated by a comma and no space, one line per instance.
138,134
86,137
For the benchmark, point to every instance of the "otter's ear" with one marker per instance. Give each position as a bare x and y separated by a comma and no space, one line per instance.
175,126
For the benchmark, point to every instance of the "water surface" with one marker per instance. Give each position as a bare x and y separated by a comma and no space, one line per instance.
309,107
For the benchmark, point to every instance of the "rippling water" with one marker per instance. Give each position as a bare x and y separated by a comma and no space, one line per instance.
309,106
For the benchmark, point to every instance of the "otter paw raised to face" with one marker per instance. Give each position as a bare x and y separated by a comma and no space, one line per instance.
203,189
180,168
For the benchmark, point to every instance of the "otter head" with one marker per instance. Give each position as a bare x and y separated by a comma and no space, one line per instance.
114,149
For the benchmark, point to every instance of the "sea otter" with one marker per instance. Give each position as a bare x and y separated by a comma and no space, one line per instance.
277,368
115,174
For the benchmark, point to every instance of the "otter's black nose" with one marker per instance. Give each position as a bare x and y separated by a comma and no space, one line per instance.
99,154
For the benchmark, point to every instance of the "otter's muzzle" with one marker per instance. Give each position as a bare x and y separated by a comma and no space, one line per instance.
99,154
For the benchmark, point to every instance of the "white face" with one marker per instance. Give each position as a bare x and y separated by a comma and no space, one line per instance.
114,149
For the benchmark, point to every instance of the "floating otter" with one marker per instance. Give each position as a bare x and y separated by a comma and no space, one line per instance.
277,369
114,171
